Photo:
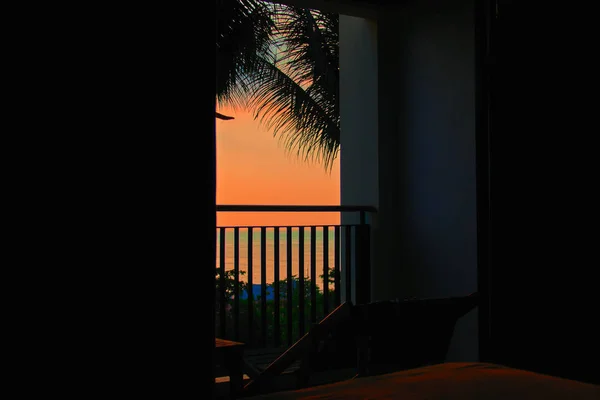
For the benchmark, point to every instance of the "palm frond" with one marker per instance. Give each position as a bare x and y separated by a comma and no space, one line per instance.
281,62
304,119
311,40
244,39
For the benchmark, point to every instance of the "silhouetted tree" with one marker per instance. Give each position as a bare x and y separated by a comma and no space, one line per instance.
282,63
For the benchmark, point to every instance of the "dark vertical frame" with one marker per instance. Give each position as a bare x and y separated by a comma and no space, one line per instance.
250,266
263,286
289,289
301,297
211,227
276,287
484,14
313,274
236,288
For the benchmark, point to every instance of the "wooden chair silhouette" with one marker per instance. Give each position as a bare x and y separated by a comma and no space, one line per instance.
371,339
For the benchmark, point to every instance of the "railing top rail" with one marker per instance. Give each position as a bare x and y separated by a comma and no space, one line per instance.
294,208
287,226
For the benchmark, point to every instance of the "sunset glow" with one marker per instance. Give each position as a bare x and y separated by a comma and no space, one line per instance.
253,167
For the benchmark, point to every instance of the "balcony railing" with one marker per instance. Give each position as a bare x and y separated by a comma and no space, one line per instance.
274,282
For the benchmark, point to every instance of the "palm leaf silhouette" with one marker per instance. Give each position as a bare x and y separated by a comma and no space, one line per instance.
284,68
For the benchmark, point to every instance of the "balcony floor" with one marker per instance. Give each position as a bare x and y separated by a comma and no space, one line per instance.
260,360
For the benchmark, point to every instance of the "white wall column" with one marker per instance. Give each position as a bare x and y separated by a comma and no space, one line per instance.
358,117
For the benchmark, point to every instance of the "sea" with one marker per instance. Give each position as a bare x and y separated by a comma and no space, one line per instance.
320,255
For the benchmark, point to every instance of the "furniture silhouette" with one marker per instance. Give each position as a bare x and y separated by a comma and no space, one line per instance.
370,339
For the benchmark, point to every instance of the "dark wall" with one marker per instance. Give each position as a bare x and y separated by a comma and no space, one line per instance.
427,229
543,291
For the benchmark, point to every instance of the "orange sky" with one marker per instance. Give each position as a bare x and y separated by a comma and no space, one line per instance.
254,168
